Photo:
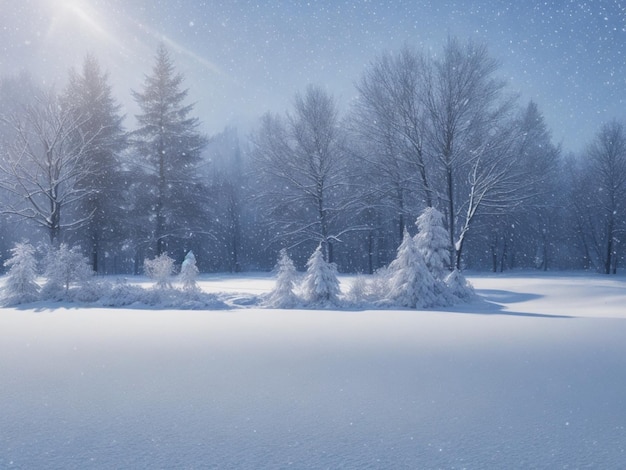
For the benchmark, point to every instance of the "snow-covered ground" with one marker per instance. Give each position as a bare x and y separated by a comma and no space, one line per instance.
532,376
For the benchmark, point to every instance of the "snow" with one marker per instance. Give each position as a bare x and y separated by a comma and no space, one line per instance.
531,376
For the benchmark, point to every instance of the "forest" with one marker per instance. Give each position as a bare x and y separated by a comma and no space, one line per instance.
440,131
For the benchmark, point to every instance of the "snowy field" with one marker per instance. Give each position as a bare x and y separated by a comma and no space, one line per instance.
531,376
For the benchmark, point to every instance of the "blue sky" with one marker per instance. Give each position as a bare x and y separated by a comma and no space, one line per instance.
242,58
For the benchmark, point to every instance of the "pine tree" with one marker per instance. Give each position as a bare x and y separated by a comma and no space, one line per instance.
170,144
189,273
282,296
20,285
433,242
88,97
410,283
320,285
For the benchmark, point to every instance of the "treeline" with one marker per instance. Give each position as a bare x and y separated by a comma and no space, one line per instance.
440,131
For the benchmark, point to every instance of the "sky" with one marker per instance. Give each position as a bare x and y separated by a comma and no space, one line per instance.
242,58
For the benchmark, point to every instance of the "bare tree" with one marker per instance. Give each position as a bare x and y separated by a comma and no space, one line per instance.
469,136
301,171
607,168
389,119
44,165
441,127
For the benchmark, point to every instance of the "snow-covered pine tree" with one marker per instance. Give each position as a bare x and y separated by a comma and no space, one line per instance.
189,273
433,242
320,285
410,283
282,296
62,267
160,269
20,286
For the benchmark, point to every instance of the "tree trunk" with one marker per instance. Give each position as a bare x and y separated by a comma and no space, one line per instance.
94,252
370,254
609,247
159,232
456,255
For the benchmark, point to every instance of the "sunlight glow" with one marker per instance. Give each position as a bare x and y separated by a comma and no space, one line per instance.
182,50
84,15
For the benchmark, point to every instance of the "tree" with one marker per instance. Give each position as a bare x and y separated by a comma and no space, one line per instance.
320,285
228,184
282,295
440,129
170,145
410,283
301,172
20,285
432,241
470,135
606,168
44,169
389,119
88,97
535,225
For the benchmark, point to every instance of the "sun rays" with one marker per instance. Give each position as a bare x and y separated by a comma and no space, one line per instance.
79,19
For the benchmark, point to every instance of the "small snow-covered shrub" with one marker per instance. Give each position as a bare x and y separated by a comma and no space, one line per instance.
362,291
282,296
63,267
320,285
121,294
460,287
189,273
160,269
20,285
91,291
379,284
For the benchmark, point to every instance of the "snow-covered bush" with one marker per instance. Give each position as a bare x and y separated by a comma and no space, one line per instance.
123,294
460,287
433,242
92,290
189,273
320,285
410,282
64,266
20,285
362,291
282,295
160,269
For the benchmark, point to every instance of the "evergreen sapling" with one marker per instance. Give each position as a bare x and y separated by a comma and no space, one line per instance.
282,296
320,285
411,284
20,286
